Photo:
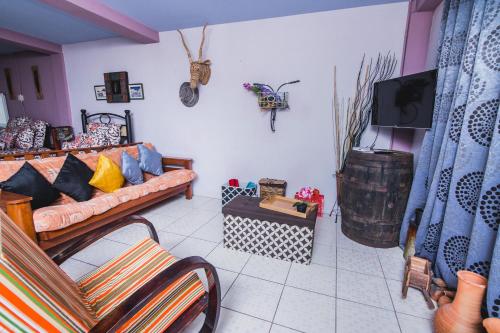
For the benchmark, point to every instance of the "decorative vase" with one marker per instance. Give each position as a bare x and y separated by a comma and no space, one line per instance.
463,315
492,325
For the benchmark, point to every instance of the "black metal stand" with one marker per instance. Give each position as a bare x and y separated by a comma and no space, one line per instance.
336,210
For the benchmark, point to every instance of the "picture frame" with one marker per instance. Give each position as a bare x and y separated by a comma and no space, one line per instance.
116,87
136,91
100,92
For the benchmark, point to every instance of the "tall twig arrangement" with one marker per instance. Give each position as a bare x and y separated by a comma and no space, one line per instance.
351,120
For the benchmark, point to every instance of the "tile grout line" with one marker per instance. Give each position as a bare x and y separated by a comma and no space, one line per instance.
365,274
82,261
236,278
201,226
281,294
267,321
190,235
390,295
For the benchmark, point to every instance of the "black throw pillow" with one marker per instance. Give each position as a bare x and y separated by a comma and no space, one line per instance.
73,179
28,181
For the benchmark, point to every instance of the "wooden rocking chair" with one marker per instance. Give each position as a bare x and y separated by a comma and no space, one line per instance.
145,289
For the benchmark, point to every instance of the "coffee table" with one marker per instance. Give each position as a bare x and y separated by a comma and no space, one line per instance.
250,228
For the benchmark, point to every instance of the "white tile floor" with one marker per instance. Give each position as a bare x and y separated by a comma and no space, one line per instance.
349,288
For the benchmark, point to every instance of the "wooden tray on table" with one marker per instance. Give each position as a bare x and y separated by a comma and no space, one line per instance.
285,205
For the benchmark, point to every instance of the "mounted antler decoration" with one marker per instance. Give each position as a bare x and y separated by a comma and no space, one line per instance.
200,69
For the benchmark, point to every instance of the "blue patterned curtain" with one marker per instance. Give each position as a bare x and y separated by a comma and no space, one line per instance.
457,180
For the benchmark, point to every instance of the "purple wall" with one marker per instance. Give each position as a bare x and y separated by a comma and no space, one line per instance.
54,107
414,57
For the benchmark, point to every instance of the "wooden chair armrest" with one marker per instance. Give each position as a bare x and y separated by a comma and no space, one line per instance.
18,208
62,252
173,163
141,297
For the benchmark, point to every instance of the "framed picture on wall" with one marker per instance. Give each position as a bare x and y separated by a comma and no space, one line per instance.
116,87
100,93
136,91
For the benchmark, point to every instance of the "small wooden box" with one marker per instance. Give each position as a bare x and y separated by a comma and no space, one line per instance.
270,187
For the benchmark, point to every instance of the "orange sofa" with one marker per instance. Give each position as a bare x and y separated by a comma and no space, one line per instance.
57,224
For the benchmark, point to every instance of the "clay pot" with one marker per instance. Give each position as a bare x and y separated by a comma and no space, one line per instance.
492,325
444,300
463,315
436,294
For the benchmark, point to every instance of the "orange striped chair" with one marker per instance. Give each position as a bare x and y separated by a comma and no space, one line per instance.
143,290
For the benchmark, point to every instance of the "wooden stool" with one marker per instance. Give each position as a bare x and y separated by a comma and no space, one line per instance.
418,274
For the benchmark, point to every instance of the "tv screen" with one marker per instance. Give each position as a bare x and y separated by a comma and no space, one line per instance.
407,101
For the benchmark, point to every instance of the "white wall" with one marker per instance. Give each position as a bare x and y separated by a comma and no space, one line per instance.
225,133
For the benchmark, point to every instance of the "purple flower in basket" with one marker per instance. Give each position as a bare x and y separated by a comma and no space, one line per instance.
257,88
252,87
262,88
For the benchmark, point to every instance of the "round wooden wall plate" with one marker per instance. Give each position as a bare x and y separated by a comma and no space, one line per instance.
189,97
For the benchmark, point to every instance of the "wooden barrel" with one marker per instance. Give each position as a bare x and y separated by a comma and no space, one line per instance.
375,189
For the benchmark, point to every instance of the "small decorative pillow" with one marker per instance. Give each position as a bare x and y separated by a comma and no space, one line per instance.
131,169
18,122
106,134
24,138
40,128
114,132
28,181
73,179
150,160
82,140
8,138
107,176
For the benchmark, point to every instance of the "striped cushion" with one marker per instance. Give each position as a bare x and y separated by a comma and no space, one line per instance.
35,294
111,284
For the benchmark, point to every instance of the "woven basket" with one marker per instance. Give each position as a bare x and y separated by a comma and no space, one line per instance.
270,187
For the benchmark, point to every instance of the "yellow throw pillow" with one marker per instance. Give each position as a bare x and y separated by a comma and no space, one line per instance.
107,176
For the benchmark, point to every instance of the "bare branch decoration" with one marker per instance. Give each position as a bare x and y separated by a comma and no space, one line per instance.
351,121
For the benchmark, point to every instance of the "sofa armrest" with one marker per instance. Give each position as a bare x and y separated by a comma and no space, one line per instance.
174,163
18,208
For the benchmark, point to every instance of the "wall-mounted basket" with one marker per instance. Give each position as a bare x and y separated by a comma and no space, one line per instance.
272,100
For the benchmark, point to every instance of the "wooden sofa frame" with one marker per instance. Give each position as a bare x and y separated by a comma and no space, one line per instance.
208,304
18,207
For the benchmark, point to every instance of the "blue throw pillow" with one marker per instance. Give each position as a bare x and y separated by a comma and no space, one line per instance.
131,169
150,160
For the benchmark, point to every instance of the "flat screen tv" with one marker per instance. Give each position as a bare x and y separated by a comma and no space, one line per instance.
407,101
